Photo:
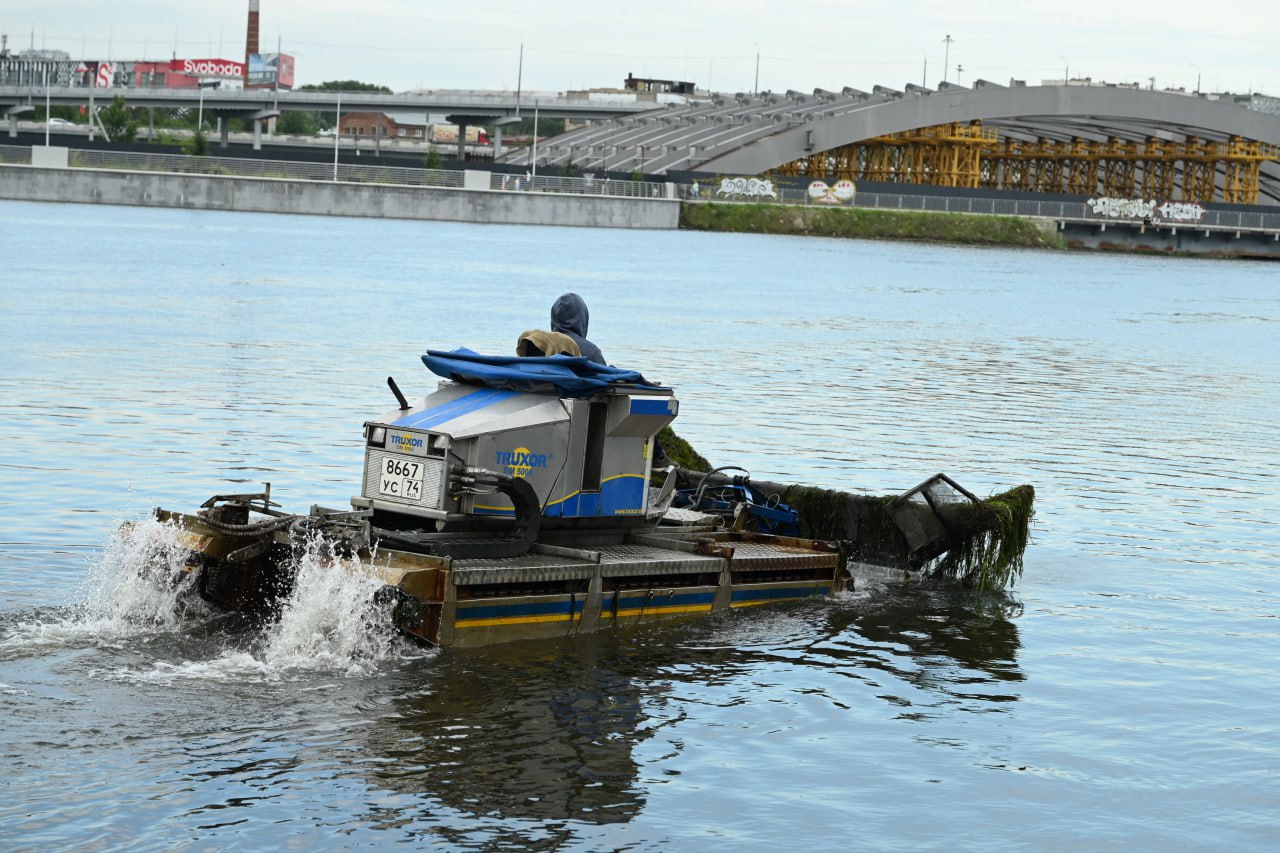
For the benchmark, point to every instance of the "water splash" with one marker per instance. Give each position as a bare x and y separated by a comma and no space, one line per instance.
138,591
140,584
332,623
136,587
334,619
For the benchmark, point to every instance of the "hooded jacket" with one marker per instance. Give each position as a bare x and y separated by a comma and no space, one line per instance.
569,316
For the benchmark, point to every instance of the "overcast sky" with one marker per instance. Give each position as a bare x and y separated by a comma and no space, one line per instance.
715,43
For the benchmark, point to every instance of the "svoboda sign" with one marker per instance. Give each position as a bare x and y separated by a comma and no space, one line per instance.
208,67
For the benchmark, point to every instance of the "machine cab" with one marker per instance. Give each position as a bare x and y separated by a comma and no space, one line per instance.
584,441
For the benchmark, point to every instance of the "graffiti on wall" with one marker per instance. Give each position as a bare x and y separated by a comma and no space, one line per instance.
1122,208
1147,210
841,192
1180,211
750,187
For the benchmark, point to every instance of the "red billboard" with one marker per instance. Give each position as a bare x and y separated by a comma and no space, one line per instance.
285,66
223,68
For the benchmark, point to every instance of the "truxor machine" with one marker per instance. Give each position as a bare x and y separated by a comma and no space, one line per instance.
519,500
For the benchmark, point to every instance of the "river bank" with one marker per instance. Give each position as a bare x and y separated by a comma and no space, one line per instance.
1172,239
477,203
475,196
971,229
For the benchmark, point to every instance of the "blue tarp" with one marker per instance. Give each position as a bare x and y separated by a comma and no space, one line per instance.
562,375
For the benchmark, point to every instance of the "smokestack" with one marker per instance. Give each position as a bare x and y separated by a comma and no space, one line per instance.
251,39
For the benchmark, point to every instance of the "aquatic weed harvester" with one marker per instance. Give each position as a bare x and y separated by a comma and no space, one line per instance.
521,499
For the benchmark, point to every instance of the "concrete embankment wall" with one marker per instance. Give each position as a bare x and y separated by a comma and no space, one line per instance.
1173,239
268,195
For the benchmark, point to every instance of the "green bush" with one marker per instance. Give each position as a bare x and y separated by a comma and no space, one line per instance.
197,144
118,122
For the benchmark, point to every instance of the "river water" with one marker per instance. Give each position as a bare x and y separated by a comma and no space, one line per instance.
1123,694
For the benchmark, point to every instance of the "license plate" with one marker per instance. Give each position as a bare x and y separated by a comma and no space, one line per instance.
401,478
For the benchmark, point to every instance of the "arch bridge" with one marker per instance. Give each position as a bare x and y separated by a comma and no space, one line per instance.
1115,141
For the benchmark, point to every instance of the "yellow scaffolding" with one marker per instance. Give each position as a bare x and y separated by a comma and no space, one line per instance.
970,155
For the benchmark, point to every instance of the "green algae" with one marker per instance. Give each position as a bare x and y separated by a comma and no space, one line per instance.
987,539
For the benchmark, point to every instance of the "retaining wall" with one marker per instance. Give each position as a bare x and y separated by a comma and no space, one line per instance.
1172,239
269,195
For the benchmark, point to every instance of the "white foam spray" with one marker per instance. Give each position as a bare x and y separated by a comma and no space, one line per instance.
140,584
136,586
333,620
331,624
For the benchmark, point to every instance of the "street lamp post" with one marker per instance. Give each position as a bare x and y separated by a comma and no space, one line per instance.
533,158
337,136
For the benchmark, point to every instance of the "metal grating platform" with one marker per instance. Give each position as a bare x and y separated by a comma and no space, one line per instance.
771,555
633,560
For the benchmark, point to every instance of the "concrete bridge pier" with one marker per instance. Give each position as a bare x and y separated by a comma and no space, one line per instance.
12,114
497,134
258,118
463,122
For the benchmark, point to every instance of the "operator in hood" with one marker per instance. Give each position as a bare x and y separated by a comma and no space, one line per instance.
569,316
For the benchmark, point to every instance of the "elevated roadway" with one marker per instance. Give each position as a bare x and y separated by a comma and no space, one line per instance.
462,107
473,104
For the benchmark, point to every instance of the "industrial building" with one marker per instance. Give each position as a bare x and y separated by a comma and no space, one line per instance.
57,69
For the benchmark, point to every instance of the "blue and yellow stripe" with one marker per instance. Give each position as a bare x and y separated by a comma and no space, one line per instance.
621,494
753,597
561,609
630,606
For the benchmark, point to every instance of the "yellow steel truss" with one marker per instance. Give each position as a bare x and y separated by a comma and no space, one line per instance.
970,155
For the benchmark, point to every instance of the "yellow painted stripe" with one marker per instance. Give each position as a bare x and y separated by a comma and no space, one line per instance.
562,500
561,617
620,476
807,594
652,609
512,620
